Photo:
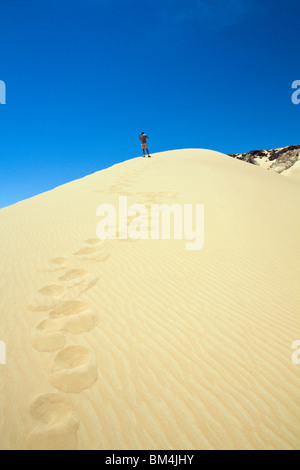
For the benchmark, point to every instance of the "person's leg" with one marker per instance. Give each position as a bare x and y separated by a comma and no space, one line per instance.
148,152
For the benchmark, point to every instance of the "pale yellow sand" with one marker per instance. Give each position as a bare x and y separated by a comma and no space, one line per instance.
294,171
142,344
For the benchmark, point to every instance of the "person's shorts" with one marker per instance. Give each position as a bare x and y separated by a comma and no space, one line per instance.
145,146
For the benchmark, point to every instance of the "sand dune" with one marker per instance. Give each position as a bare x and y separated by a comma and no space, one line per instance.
294,171
141,344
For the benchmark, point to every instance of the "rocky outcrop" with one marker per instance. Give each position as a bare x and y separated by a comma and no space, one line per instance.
279,160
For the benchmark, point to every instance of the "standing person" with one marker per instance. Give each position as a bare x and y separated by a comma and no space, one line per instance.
143,139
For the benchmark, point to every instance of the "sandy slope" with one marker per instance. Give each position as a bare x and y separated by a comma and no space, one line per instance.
142,344
293,171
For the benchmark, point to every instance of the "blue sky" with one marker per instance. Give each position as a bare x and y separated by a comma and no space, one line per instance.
85,77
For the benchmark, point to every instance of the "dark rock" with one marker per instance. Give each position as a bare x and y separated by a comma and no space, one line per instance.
282,158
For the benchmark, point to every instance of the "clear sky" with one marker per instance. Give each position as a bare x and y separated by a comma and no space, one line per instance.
85,77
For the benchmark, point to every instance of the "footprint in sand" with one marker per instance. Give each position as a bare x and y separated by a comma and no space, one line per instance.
48,336
77,281
96,252
57,426
94,241
49,297
52,290
74,370
59,261
74,275
46,298
88,250
75,317
56,264
101,247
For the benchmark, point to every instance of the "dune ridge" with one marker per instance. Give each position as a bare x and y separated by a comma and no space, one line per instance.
140,344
